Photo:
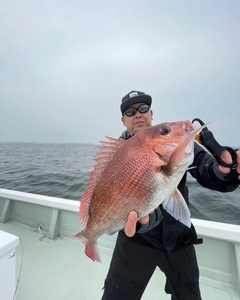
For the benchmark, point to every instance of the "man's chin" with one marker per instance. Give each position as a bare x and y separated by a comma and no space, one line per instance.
139,127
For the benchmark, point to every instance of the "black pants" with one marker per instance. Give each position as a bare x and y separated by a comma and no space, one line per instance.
133,264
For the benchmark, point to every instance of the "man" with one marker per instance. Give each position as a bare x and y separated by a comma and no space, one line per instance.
159,239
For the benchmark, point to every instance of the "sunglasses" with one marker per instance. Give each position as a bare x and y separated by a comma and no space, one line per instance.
131,111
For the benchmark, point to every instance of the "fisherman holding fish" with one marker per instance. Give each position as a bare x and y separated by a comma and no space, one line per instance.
159,238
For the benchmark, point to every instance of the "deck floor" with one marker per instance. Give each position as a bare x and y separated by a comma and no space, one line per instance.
60,270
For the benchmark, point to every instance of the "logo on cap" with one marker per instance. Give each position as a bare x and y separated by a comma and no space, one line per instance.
133,94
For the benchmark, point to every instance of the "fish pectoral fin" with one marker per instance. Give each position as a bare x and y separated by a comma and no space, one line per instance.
177,207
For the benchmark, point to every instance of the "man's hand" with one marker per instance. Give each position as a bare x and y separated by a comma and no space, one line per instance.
226,157
130,227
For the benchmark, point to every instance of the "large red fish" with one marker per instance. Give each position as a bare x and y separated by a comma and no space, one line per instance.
136,175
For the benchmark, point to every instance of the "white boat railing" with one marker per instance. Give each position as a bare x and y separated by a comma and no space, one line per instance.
8,197
223,231
63,204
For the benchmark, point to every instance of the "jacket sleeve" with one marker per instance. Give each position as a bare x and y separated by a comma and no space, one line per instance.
154,219
206,171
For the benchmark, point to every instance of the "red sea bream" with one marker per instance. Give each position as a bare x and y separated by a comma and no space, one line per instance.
137,174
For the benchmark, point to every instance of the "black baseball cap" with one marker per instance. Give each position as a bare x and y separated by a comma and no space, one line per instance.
135,97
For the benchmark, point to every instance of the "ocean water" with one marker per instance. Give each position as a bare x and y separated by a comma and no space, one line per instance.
62,170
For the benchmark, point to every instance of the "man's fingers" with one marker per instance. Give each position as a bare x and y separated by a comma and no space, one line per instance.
227,158
224,169
130,227
144,220
238,161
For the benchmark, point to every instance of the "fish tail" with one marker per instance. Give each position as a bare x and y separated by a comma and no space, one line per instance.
91,249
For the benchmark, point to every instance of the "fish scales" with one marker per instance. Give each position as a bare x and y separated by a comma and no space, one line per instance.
118,183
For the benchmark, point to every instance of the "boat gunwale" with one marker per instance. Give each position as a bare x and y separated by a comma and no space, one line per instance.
223,231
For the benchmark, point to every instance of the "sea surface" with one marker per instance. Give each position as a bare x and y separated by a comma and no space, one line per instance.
62,170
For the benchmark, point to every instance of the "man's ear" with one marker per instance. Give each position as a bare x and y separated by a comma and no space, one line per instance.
123,121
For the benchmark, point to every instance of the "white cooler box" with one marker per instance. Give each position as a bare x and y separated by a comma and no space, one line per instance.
8,244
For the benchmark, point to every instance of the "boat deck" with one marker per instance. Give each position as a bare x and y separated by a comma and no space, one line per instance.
58,269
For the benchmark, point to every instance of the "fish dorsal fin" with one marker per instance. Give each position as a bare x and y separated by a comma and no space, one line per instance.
108,149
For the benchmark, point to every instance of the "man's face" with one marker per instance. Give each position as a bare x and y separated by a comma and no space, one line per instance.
138,121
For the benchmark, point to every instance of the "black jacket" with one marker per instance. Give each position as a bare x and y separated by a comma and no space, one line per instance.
165,231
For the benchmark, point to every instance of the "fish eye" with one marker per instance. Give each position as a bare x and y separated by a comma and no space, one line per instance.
164,130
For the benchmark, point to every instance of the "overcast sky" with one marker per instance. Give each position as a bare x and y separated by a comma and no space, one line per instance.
65,65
